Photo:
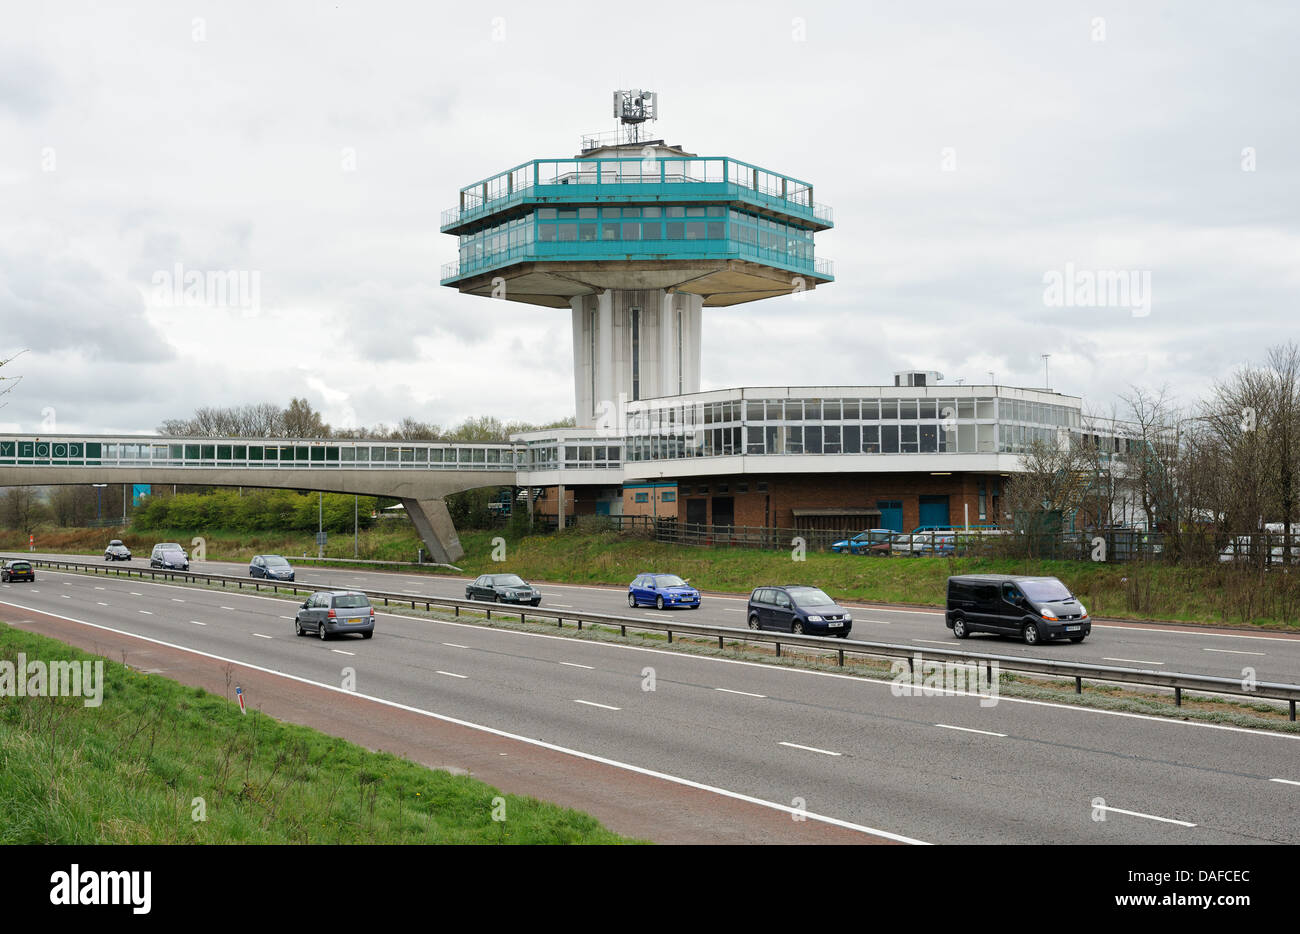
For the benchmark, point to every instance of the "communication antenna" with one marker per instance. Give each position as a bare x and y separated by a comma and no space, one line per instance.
633,108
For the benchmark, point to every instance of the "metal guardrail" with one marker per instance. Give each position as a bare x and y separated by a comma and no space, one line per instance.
1079,672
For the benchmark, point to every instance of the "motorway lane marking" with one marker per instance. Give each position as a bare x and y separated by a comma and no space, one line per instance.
134,594
177,600
1163,820
824,752
456,645
1231,652
99,588
231,608
197,623
341,652
260,636
745,693
145,612
797,672
576,665
1284,781
733,609
101,603
452,674
947,726
286,617
594,704
65,596
1135,661
938,641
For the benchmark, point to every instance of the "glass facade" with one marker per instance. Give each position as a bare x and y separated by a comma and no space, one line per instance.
655,231
669,429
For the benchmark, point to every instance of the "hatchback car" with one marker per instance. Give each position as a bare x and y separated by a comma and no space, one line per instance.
272,567
798,609
116,551
503,588
17,571
169,555
332,613
1034,609
662,590
861,543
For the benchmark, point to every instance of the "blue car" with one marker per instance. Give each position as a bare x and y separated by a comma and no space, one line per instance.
663,591
861,543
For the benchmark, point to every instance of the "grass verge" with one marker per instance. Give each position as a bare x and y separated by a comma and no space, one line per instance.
130,771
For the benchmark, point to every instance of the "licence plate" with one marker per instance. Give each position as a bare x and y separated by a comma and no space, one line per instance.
836,625
358,619
1071,628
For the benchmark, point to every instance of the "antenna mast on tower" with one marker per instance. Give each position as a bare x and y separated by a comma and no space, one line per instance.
633,108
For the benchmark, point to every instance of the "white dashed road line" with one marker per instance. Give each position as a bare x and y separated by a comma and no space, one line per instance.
945,726
1284,781
260,636
594,704
824,752
1231,652
456,645
576,665
452,674
1163,820
341,652
742,693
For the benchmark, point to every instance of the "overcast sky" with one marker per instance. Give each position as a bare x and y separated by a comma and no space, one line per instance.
968,151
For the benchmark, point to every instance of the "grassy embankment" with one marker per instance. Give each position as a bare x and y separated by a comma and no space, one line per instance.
1219,595
129,770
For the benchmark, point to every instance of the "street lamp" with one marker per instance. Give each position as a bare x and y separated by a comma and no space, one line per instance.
99,501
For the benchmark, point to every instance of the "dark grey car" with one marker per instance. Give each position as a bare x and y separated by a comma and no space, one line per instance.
503,588
116,551
272,567
336,612
169,555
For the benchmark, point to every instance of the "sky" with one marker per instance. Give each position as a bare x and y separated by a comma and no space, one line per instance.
984,163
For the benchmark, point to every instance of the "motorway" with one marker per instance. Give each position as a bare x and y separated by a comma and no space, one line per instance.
1124,644
940,769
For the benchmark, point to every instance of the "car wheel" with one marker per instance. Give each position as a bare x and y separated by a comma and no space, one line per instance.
631,599
320,631
537,602
1030,634
367,635
753,622
797,628
659,603
297,626
959,628
695,606
842,635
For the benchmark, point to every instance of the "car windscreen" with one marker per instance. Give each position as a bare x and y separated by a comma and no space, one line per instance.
810,596
171,548
350,601
1045,591
669,580
509,580
20,566
275,561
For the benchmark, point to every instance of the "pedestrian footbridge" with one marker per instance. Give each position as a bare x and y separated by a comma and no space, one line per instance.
420,474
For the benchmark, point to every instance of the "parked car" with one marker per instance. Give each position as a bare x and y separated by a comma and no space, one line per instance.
1035,609
116,551
941,544
169,555
18,570
338,612
503,588
798,609
861,543
907,544
272,567
662,590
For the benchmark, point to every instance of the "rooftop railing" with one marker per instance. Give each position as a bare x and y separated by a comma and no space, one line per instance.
667,178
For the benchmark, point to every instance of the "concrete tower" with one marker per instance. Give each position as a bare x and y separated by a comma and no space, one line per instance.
635,238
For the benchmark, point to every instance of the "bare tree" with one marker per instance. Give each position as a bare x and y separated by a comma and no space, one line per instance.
21,509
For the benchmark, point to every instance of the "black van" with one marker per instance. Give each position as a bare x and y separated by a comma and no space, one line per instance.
1033,608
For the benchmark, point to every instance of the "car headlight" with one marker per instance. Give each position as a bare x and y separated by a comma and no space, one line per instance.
814,619
1083,610
1048,614
848,617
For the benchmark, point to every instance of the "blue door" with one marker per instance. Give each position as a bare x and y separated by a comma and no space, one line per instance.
934,511
891,514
